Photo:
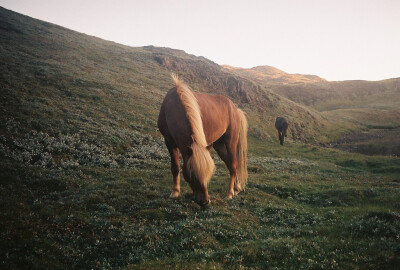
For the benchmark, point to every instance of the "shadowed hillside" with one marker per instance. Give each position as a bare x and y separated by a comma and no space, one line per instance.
85,175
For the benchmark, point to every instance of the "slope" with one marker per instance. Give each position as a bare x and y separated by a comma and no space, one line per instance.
261,104
356,104
95,102
326,96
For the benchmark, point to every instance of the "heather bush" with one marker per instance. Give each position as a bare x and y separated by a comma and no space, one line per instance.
72,150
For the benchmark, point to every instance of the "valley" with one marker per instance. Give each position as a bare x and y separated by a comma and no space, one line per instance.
374,141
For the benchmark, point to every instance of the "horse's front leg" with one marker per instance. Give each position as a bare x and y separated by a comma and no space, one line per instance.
175,169
232,167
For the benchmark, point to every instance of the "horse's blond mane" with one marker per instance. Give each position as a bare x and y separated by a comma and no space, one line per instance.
200,164
192,109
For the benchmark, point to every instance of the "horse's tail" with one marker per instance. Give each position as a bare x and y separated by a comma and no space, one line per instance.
200,163
242,151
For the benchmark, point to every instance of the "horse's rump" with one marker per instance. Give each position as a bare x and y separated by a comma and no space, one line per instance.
281,123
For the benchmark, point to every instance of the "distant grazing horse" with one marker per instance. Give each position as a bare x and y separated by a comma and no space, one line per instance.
281,125
193,123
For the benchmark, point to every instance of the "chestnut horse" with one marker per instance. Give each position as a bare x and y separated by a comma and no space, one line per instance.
192,123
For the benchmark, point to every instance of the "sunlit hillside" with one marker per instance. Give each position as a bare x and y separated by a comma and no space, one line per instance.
271,75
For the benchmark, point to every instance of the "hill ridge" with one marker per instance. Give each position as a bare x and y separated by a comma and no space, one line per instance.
273,75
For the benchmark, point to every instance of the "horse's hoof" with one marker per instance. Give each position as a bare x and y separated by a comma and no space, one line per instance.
205,204
174,194
230,196
237,190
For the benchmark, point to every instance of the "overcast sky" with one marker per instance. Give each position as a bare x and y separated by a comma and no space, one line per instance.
336,40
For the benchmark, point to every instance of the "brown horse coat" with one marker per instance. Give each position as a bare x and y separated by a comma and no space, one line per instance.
192,123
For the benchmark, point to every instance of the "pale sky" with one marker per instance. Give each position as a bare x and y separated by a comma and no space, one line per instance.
336,40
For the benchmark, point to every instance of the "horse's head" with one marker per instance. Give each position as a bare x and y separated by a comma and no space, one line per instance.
195,174
200,193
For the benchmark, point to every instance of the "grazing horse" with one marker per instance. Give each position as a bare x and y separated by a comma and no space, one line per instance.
193,123
281,125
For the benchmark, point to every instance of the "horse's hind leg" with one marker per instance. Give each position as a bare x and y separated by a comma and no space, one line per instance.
281,138
174,153
229,157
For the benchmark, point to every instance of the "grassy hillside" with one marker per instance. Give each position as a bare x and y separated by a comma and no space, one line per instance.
326,96
357,108
323,95
304,207
117,85
85,176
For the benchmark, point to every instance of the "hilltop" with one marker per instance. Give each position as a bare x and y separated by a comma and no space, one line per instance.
272,75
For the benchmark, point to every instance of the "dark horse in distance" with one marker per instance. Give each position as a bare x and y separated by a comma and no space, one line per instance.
281,125
193,123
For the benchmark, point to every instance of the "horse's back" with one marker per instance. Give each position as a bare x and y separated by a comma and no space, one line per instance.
218,113
281,123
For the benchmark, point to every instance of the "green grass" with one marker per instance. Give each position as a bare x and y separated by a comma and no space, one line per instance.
306,207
